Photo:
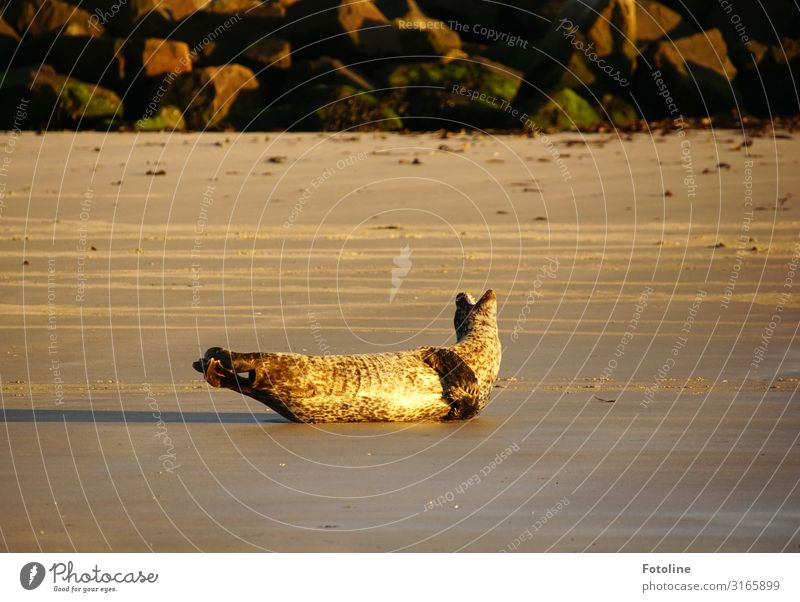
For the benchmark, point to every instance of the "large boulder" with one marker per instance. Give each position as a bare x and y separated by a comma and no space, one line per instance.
232,6
98,60
168,118
54,101
742,23
218,34
244,8
419,33
694,71
696,11
142,18
454,93
565,110
9,40
111,62
152,65
475,73
175,10
517,57
337,108
214,96
619,112
516,39
258,53
268,53
608,28
530,20
763,20
592,44
426,110
323,93
319,92
656,21
33,18
483,21
467,12
763,82
341,28
324,70
159,57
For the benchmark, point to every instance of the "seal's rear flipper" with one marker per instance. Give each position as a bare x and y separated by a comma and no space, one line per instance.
461,387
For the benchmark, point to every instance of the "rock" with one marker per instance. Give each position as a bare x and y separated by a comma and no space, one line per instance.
467,12
453,94
695,11
565,110
655,21
530,20
481,21
55,101
172,10
152,66
212,96
9,40
310,85
168,118
157,57
619,111
695,71
347,27
607,26
763,82
268,53
142,18
271,60
86,102
426,110
419,33
232,6
743,22
325,70
595,40
111,62
476,73
244,8
345,108
332,107
519,58
99,60
35,18
220,33
580,76
216,38
485,22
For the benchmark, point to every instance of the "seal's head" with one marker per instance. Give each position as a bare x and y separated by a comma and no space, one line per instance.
471,315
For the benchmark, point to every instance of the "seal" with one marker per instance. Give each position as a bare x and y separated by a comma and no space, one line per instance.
427,383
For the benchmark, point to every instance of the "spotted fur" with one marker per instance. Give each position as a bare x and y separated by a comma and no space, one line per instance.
427,383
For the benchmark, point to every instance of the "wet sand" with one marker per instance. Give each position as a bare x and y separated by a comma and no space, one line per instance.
648,314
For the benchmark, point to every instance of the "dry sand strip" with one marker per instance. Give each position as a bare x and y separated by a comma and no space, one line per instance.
649,315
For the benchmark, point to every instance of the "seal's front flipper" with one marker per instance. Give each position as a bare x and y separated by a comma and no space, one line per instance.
461,387
222,356
220,376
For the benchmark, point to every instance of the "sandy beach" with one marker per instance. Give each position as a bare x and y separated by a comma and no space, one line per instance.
647,287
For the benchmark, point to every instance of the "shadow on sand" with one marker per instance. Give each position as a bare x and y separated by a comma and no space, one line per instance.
137,417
